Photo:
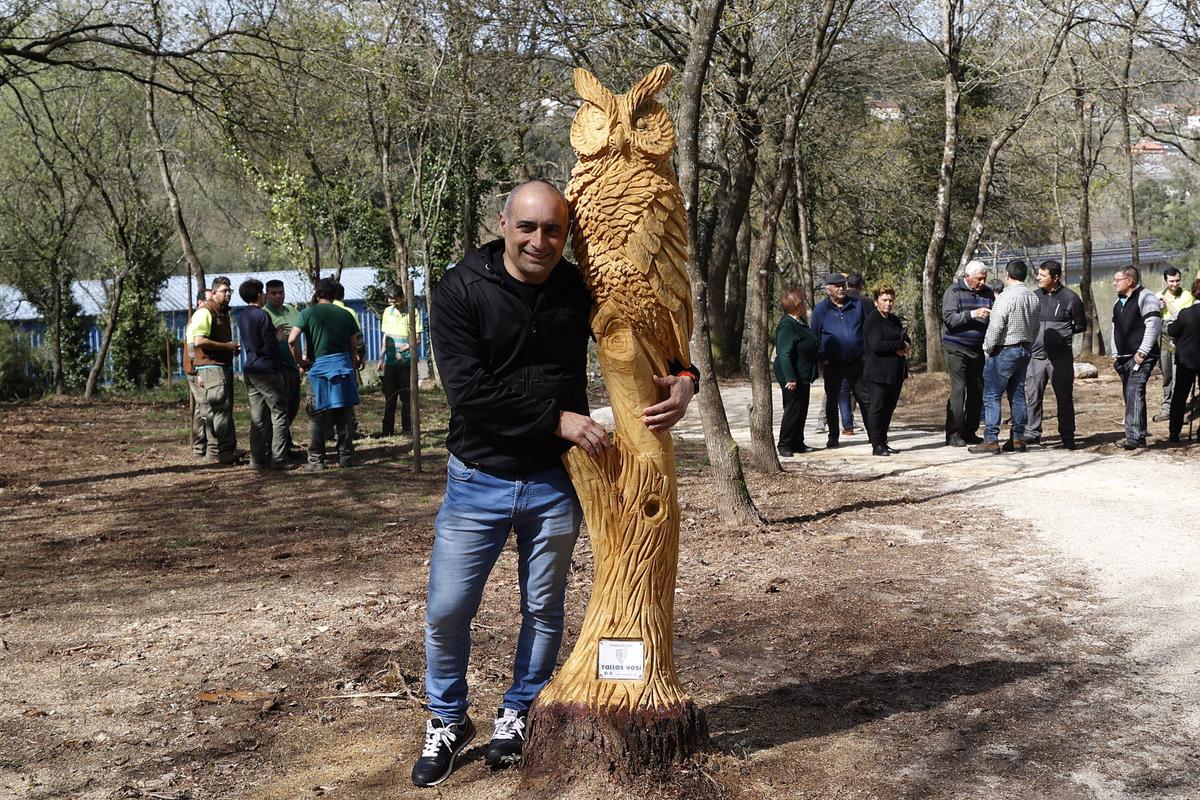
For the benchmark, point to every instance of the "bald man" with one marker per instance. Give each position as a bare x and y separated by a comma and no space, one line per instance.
510,325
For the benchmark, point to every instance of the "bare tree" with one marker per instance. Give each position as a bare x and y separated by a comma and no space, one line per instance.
733,498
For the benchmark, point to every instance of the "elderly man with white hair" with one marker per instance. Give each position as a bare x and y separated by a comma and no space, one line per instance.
966,306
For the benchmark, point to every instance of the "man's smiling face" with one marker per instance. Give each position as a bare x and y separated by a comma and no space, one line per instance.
534,225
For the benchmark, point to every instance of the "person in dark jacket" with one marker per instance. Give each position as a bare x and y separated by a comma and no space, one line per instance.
795,369
837,322
1185,332
1137,326
1052,358
510,326
966,306
887,347
264,381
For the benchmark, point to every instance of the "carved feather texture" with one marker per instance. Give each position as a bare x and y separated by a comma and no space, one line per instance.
629,229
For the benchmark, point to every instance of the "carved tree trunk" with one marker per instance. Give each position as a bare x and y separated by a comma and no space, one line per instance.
632,512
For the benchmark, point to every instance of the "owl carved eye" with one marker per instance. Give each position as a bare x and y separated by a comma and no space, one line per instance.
641,123
589,130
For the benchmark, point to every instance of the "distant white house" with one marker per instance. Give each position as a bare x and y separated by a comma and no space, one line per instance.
885,110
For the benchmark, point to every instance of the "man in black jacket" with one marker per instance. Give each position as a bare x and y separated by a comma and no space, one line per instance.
510,326
1052,360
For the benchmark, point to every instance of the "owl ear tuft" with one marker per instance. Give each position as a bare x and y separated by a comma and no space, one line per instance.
650,85
591,90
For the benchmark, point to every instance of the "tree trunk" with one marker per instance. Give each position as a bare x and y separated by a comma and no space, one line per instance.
164,174
723,306
733,498
1127,136
758,346
931,273
54,326
106,338
431,361
414,374
1060,218
1092,340
807,280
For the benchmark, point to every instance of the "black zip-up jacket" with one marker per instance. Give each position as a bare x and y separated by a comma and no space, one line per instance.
509,370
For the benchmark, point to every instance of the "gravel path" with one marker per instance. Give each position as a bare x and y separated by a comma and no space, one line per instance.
1130,521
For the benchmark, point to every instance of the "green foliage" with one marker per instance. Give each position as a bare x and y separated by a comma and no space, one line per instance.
1172,213
140,340
22,373
73,335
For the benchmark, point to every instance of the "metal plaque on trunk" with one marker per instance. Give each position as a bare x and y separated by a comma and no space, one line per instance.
621,660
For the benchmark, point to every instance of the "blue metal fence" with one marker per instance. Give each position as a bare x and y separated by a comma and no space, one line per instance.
176,324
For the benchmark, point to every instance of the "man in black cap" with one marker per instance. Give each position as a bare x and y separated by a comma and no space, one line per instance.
837,320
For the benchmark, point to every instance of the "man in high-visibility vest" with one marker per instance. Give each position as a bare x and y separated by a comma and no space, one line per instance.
396,349
202,432
1172,299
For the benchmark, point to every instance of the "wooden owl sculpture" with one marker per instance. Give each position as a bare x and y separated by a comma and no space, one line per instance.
630,229
630,237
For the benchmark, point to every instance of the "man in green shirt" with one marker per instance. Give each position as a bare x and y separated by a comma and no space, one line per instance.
396,348
284,317
334,338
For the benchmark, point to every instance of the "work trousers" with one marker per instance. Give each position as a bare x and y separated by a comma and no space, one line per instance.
1059,372
1185,377
291,388
834,374
396,386
965,404
339,420
882,404
1167,365
1134,378
217,383
795,412
202,432
268,419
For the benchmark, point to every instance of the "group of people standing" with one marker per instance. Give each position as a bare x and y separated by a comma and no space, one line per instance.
862,348
275,366
1012,343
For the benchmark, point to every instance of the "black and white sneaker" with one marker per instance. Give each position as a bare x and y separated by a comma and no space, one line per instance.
508,738
443,743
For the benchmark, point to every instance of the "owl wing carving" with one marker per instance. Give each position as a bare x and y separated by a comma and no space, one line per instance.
657,248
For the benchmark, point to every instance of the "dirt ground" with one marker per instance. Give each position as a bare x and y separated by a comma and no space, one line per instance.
173,630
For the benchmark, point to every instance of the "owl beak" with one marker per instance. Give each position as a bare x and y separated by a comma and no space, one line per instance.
620,140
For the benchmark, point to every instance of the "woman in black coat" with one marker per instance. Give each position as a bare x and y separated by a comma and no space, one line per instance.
1185,330
885,367
795,369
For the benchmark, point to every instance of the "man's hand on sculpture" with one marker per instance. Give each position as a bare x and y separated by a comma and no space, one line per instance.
661,416
583,431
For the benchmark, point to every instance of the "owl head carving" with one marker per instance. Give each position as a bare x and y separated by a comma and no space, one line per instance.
631,126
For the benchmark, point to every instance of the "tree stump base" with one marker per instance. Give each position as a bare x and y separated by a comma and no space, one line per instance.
570,739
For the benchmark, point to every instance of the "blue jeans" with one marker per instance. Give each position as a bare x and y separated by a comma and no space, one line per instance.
1133,384
1004,374
846,407
472,526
